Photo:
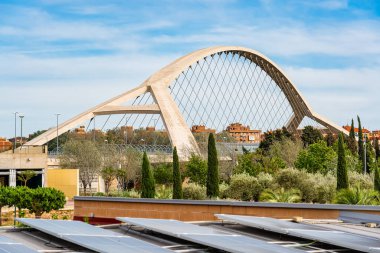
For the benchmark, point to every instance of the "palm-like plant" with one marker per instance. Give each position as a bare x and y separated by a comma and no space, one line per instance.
357,196
281,195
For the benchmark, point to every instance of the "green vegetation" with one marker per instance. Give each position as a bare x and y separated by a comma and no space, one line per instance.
37,201
177,179
351,141
281,195
305,167
360,144
147,179
196,170
26,175
212,169
342,178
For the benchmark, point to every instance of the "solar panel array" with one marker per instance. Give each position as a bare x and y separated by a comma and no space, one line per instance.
91,237
207,236
308,231
7,245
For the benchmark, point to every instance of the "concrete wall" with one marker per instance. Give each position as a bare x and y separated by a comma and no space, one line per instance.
23,160
103,210
66,180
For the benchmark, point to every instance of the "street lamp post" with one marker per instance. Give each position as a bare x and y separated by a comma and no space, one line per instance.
14,140
57,114
21,117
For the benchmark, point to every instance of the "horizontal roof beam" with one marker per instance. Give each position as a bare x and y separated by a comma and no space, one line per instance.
133,109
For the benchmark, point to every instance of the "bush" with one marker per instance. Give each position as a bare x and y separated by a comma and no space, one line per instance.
196,170
164,192
163,173
131,194
357,196
194,191
363,181
223,190
244,187
290,178
281,195
314,187
265,180
318,188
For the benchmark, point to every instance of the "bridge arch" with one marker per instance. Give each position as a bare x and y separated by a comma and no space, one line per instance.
168,106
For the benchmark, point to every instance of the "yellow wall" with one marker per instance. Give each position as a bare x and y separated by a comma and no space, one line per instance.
66,180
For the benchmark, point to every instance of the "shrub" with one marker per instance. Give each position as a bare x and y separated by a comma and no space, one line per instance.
265,180
147,179
314,187
318,188
164,192
131,194
357,196
163,173
223,190
281,195
44,200
244,187
363,181
290,178
196,170
194,191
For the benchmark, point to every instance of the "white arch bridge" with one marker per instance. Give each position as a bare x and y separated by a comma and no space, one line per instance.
214,87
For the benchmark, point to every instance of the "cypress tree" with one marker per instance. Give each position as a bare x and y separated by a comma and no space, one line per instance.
342,178
360,143
212,168
351,139
147,180
377,179
377,149
177,180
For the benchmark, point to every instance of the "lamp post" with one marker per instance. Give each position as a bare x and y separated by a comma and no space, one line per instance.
21,117
14,140
57,114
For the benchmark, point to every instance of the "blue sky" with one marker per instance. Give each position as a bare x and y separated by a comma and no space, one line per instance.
64,56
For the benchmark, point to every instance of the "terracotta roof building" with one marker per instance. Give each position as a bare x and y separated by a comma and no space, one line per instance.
244,134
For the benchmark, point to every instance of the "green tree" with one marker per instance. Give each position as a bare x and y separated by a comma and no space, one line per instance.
26,175
108,174
4,199
360,143
318,157
351,141
163,173
177,180
212,185
19,197
85,156
342,178
330,139
272,136
377,149
376,182
45,199
310,135
196,170
147,179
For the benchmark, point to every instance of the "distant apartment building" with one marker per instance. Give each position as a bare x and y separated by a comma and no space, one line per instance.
365,131
5,144
80,130
202,129
243,134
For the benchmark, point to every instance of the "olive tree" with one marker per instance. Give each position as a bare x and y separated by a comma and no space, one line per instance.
85,156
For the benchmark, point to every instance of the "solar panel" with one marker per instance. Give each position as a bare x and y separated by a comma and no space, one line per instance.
7,245
308,231
91,237
207,236
359,218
